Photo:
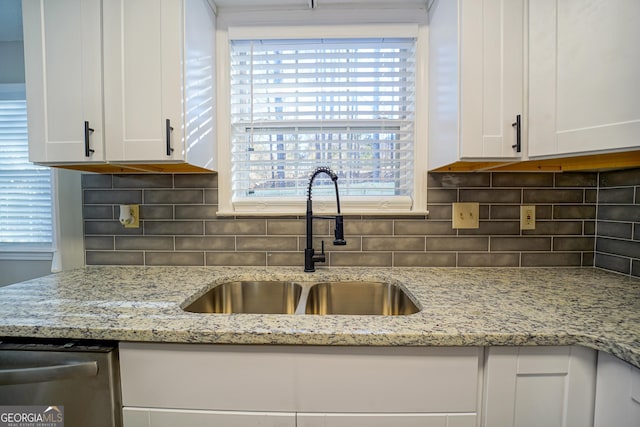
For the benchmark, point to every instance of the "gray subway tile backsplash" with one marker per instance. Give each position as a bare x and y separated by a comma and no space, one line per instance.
205,243
174,258
173,228
180,226
114,258
618,222
144,243
488,259
143,181
237,258
175,197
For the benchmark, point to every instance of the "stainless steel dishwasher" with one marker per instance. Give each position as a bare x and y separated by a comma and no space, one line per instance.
81,377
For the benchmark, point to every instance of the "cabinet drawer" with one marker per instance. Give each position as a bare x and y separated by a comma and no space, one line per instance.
310,379
386,420
206,377
364,379
175,417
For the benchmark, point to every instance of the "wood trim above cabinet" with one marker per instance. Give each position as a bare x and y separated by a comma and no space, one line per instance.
594,162
110,168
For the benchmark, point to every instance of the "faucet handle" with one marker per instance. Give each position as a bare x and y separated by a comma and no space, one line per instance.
339,232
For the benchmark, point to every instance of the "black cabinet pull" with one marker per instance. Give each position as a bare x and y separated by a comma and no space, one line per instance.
87,146
518,126
169,130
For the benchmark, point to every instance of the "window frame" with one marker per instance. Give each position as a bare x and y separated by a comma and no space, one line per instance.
247,25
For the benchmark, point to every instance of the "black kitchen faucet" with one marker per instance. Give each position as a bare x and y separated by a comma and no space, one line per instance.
310,257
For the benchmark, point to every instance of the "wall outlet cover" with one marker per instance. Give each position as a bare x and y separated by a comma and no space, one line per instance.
135,214
466,215
527,217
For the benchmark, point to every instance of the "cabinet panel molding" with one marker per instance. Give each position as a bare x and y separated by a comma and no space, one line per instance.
617,393
533,386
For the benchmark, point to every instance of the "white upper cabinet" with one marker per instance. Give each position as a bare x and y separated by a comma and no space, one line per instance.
155,60
63,72
476,81
157,54
584,95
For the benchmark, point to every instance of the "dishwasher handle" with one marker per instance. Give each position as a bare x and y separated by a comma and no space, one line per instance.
48,373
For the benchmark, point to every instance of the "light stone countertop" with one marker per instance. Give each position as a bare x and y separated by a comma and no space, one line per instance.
459,307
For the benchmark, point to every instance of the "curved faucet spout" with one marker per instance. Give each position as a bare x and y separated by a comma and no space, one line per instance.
310,257
332,175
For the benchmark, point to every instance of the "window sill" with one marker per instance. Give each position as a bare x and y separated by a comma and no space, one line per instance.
299,213
322,205
7,254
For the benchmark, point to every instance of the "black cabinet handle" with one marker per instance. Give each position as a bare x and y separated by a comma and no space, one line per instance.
168,131
518,126
87,143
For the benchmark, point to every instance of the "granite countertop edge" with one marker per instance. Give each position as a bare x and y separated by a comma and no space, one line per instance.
459,307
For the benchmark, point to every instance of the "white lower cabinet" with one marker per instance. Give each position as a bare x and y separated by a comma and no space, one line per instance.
539,386
230,385
146,417
134,417
617,393
386,420
191,385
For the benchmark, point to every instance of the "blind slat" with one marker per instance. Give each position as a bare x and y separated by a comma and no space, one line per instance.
25,189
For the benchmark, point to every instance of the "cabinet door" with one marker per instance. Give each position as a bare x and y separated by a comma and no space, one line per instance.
143,417
617,393
476,80
386,420
539,386
142,78
63,69
583,77
491,77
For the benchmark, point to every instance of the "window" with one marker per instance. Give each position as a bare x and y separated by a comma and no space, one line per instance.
348,103
25,189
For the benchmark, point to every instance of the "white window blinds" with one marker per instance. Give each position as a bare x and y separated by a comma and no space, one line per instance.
25,189
343,103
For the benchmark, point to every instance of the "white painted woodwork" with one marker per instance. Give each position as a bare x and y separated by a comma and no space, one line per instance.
159,65
539,386
134,417
155,60
361,379
617,393
63,74
584,95
386,420
207,377
476,80
300,379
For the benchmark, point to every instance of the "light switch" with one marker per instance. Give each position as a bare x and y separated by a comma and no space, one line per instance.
466,215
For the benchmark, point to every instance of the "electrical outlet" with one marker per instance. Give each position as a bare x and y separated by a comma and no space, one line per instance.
135,217
527,217
466,215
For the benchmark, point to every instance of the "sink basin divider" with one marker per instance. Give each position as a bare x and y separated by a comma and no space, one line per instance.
304,295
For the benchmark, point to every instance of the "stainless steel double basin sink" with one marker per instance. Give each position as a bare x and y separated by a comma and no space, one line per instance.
288,297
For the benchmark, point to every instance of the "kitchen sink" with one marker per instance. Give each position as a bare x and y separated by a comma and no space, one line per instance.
287,297
359,298
258,297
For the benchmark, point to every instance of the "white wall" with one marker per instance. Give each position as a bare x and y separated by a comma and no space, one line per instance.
12,271
12,63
